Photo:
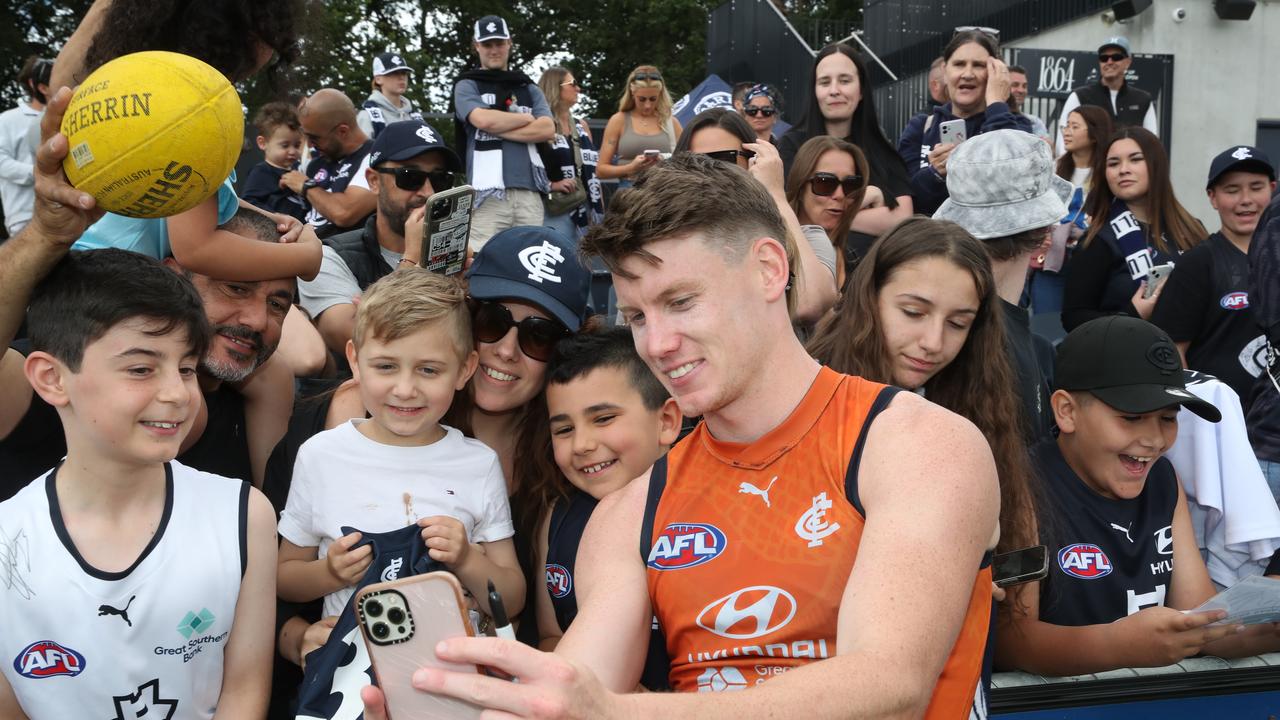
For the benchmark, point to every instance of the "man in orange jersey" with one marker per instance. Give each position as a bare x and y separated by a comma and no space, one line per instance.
818,535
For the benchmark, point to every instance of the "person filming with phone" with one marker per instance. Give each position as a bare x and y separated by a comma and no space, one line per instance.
1139,229
978,85
408,164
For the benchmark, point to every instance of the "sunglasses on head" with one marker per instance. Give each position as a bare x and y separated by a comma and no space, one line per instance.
1112,57
570,83
412,178
990,32
825,184
537,336
642,76
754,110
730,156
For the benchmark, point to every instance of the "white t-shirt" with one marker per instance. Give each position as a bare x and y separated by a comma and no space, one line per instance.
343,478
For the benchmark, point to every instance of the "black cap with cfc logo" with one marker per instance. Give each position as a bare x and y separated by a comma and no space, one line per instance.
492,27
1128,364
1240,157
409,139
537,265
387,63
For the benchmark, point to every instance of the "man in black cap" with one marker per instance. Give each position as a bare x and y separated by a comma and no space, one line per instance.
387,103
1127,105
408,163
1205,305
499,116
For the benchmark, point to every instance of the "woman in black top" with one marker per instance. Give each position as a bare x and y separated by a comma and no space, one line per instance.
1136,223
842,105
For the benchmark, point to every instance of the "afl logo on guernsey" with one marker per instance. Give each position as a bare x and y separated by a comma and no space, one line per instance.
47,658
685,545
1234,301
559,581
1084,561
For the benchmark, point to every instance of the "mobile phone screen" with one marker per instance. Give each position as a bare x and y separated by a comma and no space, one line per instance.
1019,566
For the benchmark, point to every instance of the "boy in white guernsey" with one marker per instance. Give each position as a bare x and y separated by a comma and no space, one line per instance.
130,585
411,350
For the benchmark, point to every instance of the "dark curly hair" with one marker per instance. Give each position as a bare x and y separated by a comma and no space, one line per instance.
274,115
219,32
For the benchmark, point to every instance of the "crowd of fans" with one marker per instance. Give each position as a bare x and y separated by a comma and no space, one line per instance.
793,433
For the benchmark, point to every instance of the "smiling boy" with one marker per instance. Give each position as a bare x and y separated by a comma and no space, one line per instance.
1123,555
611,420
410,352
102,584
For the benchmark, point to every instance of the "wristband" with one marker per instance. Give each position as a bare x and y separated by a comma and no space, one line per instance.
407,260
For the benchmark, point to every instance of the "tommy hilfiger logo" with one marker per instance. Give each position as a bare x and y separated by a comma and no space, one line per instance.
122,612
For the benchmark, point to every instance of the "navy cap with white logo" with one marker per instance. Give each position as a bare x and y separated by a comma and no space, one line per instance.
409,139
1240,157
492,27
1128,364
537,265
387,63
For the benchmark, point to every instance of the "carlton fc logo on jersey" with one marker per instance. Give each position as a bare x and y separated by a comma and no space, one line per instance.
1085,561
559,581
1234,301
685,545
46,658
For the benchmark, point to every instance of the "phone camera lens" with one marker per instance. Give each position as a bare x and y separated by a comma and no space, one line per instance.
381,630
373,608
395,616
439,211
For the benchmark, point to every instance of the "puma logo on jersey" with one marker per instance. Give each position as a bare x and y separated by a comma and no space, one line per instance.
123,613
1124,530
749,489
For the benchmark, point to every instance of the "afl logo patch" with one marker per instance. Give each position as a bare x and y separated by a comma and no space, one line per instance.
47,658
1234,301
1085,561
686,545
559,581
321,175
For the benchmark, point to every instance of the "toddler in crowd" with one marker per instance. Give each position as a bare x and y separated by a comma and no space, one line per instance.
411,351
280,140
120,549
611,420
1122,551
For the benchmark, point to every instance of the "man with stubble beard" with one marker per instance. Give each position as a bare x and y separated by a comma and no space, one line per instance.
407,165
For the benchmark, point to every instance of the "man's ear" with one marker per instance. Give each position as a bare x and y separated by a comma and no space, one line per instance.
1065,410
48,376
770,257
372,177
669,415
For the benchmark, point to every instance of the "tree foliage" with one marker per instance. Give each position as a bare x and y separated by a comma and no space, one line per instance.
32,27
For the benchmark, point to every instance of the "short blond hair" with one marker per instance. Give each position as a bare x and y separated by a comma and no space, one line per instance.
409,299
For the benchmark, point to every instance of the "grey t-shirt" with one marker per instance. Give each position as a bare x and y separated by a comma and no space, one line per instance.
822,246
517,167
335,284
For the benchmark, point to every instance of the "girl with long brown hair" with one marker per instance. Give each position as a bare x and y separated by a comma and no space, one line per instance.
827,186
921,312
1138,223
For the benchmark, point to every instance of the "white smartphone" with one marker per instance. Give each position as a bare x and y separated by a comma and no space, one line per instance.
444,242
402,621
652,154
1156,276
952,131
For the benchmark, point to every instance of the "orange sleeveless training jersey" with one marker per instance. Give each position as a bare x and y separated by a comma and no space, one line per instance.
752,545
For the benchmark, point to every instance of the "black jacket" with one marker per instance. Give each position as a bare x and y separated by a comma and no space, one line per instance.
1131,103
359,250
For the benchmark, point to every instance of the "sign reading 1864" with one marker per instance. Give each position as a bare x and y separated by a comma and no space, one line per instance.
1055,73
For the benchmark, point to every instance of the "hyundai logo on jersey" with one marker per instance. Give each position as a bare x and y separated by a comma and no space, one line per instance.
685,545
1085,561
749,612
559,581
47,658
1234,301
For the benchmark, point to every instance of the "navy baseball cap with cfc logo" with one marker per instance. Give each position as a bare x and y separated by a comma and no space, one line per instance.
389,62
1128,364
1240,157
537,265
409,139
492,27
